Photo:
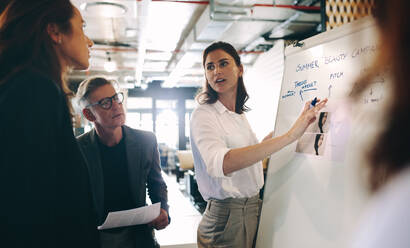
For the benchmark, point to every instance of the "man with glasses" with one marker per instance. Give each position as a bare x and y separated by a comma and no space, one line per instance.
122,163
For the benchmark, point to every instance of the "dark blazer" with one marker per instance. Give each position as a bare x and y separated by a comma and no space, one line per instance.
143,168
45,195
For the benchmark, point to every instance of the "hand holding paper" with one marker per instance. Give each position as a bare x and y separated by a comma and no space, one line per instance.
131,217
161,221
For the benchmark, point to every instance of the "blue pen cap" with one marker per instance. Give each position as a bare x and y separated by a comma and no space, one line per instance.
313,103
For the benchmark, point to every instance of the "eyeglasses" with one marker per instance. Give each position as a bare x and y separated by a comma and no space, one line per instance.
106,103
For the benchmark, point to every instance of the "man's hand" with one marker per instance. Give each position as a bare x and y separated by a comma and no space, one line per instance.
161,221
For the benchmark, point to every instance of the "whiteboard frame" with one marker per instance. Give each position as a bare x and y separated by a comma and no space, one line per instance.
325,37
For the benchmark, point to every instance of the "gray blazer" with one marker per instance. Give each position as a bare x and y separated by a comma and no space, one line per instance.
143,168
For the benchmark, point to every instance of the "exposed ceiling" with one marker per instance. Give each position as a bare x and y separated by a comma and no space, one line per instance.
152,40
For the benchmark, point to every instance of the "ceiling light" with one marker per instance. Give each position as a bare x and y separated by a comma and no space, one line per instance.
104,9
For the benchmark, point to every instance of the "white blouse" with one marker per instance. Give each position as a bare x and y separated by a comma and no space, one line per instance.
214,131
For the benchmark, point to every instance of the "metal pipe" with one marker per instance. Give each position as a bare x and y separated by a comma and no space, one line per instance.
283,6
286,6
179,1
285,24
247,19
295,7
142,40
230,12
130,50
262,20
183,1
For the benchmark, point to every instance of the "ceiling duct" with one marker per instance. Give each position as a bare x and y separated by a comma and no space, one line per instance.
232,23
261,12
143,11
202,34
289,29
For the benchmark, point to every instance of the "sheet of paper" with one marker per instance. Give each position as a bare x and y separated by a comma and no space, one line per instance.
131,217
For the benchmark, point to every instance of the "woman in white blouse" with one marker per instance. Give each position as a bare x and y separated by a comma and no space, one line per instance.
227,155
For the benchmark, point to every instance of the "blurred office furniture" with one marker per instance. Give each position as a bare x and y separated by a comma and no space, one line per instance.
185,162
185,170
163,153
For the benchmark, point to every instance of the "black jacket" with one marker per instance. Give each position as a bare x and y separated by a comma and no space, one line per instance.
44,184
143,169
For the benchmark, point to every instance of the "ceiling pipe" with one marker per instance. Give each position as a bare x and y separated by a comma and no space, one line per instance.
286,6
297,36
113,48
283,6
213,11
261,20
118,70
285,24
290,20
179,1
142,41
211,2
295,7
111,43
184,45
177,62
134,50
270,35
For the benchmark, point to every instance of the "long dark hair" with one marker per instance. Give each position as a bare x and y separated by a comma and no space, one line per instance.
316,145
320,122
209,95
390,153
3,5
25,42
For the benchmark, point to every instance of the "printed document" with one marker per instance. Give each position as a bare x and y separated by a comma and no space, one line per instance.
131,217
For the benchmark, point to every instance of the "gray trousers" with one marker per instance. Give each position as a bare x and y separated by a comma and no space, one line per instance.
231,222
140,236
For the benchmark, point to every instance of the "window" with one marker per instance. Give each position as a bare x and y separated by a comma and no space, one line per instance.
139,102
139,120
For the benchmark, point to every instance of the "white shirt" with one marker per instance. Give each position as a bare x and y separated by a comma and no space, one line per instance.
214,131
386,223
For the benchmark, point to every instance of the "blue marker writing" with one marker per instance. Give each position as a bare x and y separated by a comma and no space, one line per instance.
313,103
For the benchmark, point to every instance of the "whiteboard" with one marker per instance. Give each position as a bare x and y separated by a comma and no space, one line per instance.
313,192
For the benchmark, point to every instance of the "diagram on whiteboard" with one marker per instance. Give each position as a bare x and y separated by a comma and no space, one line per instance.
327,71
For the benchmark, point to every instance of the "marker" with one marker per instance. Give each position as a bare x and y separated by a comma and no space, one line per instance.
313,103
